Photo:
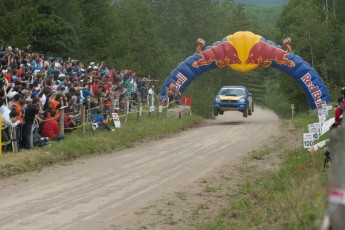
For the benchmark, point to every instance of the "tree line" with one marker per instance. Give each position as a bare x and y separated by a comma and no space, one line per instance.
154,36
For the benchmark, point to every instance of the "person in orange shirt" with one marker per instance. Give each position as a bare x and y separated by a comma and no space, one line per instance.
17,107
171,93
55,105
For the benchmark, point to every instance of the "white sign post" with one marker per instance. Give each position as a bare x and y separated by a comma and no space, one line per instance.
315,129
308,140
116,120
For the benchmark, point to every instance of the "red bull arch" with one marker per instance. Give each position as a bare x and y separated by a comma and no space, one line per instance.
245,51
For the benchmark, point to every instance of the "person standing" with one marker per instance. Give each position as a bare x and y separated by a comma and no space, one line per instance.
17,106
31,111
151,94
171,93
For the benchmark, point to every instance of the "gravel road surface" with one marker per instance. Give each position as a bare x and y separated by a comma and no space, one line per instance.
96,193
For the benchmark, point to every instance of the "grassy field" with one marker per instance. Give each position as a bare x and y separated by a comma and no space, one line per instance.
76,145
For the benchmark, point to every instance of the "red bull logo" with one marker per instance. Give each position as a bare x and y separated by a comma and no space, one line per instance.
243,52
223,54
263,54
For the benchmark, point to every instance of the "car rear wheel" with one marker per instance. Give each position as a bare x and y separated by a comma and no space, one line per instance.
215,111
253,107
249,111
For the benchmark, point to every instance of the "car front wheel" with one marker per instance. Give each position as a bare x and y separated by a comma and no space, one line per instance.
245,112
215,111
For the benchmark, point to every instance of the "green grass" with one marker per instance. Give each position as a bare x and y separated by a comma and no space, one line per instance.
295,197
76,145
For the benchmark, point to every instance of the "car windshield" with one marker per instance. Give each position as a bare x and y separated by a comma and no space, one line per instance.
232,92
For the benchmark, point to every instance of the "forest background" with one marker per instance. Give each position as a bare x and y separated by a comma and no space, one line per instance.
154,36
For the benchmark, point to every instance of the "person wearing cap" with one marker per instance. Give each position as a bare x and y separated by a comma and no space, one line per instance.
10,97
7,121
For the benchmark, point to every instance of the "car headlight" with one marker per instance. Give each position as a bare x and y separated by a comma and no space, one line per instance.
217,99
242,100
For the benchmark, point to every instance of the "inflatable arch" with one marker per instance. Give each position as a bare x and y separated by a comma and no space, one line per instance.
244,51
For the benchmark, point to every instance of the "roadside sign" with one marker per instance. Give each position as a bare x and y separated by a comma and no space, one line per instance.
308,140
116,120
315,129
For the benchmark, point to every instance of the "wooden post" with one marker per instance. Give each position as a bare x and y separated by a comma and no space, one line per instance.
292,107
101,105
159,104
82,118
139,106
61,120
117,102
336,185
167,98
112,105
149,103
32,136
126,105
13,136
88,113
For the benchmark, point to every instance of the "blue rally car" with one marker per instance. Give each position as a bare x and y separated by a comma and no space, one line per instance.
233,98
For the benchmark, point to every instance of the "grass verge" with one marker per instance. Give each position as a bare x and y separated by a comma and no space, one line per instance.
76,145
294,197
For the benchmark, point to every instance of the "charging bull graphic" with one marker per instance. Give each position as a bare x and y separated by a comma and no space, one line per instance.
243,52
263,53
223,54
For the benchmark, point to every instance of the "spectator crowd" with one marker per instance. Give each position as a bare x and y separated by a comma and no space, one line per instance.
35,87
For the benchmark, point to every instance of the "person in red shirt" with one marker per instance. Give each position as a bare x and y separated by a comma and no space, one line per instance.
95,85
339,110
51,128
8,75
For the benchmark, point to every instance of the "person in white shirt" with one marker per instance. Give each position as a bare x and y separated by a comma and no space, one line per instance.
151,95
7,117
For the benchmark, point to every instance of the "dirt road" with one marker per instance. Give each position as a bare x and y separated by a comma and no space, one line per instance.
102,192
